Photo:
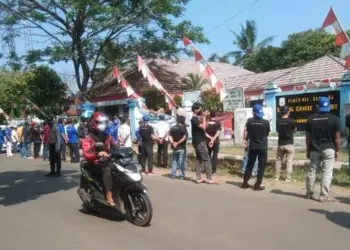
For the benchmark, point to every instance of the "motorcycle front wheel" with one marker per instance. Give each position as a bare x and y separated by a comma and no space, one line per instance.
139,209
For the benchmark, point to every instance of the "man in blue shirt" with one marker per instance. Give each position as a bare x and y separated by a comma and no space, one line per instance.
63,139
73,140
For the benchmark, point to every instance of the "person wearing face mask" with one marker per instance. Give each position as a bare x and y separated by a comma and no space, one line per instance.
99,123
54,145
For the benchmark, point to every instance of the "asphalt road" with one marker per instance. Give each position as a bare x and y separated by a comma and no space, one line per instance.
37,213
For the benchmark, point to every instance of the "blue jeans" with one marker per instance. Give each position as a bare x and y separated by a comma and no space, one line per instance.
245,163
28,149
179,162
46,152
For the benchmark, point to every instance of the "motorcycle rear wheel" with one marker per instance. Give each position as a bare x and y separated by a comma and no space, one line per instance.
142,213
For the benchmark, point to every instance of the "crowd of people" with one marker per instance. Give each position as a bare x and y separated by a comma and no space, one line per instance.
322,143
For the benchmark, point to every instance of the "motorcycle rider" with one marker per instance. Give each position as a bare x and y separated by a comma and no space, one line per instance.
99,123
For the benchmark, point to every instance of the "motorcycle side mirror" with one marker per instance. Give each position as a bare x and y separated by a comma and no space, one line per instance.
99,146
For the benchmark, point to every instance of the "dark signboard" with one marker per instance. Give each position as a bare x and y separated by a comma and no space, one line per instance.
304,105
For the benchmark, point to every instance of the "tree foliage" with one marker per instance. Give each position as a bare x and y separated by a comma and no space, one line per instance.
83,31
47,90
153,98
217,58
194,81
296,50
211,101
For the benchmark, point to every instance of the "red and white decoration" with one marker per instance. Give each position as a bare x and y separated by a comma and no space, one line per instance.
206,69
324,83
341,38
142,66
129,90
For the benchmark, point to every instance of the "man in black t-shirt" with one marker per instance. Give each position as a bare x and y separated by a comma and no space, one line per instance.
285,128
199,125
146,133
177,137
347,124
323,145
257,131
213,132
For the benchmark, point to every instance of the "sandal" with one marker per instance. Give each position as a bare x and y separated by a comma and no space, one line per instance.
111,203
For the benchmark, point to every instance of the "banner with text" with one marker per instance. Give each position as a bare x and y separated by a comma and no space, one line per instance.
303,105
234,99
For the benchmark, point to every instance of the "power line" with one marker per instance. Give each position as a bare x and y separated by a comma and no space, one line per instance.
212,7
235,15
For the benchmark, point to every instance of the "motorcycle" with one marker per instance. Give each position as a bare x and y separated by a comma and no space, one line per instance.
128,191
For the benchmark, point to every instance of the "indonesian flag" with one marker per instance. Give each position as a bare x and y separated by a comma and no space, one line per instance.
332,20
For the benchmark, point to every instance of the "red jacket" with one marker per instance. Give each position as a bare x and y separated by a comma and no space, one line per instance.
88,147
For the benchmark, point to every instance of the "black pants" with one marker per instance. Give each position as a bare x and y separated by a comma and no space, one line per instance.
262,158
213,153
147,154
107,176
162,154
63,151
37,146
55,159
74,152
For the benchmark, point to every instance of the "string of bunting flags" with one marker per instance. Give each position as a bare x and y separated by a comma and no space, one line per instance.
341,38
206,69
324,83
129,90
153,82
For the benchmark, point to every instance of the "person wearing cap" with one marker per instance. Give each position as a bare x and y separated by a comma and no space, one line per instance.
73,142
199,126
147,137
257,131
161,132
323,144
285,128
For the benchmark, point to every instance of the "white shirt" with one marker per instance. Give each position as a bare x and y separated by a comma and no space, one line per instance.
162,130
125,132
14,135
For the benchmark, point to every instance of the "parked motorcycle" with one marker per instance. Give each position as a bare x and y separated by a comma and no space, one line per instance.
129,193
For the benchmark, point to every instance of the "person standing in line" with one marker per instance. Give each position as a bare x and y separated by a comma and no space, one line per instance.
46,130
213,131
139,142
245,157
258,130
124,133
162,134
20,139
285,128
54,144
347,124
15,139
35,138
178,136
147,137
73,140
323,144
27,141
199,125
8,137
1,140
63,138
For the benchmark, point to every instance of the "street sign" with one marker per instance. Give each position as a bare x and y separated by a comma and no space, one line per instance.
234,99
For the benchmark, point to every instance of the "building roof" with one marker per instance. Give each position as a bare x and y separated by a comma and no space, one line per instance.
169,74
322,68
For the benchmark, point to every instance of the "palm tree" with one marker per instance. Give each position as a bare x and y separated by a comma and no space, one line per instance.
246,42
194,81
221,59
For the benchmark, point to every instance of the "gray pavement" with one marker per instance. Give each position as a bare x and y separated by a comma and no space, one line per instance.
37,213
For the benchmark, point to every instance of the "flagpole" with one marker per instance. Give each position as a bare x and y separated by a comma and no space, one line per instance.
36,107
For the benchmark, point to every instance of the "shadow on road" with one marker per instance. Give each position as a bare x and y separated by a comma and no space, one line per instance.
344,200
105,214
236,183
281,192
20,186
339,218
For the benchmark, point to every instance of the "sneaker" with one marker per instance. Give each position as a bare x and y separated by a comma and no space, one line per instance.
182,178
172,177
151,173
51,174
327,199
245,185
309,196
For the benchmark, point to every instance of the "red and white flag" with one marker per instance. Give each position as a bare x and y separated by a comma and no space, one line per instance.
341,38
152,80
206,69
129,90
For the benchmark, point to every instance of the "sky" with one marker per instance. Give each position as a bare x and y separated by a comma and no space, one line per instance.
277,18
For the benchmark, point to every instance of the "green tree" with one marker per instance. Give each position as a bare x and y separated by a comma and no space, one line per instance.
246,42
266,59
153,98
47,90
194,81
211,101
178,100
216,58
13,86
79,30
